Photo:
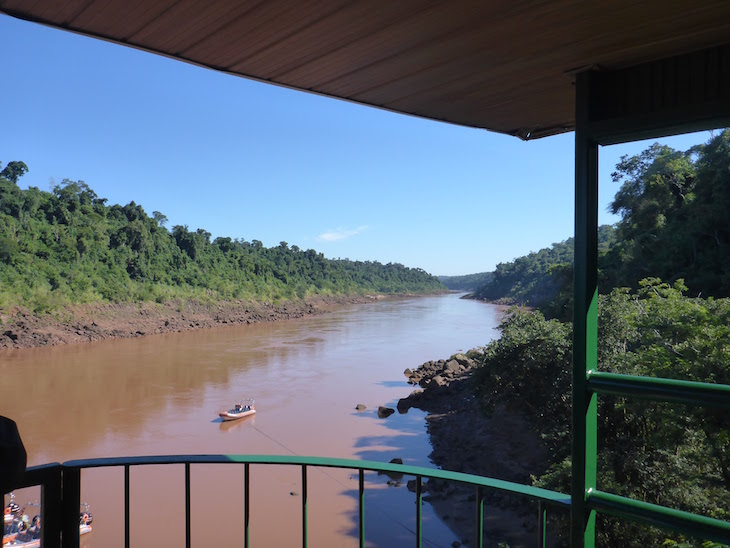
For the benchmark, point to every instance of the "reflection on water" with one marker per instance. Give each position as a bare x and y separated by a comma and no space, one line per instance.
161,395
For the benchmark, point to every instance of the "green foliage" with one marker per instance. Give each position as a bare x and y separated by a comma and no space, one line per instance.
673,455
674,217
14,171
541,279
67,246
468,282
674,207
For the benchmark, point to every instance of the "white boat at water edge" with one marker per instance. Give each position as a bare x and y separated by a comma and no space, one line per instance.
243,409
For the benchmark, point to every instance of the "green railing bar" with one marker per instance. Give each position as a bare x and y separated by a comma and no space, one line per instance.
187,505
361,507
536,493
126,506
660,389
247,506
304,506
694,525
479,519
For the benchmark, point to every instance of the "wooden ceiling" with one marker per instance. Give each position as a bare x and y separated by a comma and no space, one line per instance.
503,65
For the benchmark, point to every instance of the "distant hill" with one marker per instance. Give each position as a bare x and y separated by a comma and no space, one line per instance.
537,278
468,282
68,246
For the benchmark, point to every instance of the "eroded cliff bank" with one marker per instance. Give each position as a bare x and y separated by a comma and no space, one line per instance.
22,329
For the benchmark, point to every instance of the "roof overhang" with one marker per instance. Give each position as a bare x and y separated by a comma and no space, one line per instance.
503,65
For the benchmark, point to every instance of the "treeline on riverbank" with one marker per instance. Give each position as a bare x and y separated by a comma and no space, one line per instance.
68,246
674,209
674,227
468,282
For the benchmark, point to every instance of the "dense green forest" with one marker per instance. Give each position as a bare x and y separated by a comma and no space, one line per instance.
538,279
469,282
68,246
674,225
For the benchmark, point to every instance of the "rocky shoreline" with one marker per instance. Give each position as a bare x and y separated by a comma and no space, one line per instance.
465,440
20,328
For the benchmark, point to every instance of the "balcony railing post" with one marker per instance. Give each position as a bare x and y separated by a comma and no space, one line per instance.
541,525
419,510
246,503
188,514
479,518
126,505
585,319
361,506
51,504
70,503
304,506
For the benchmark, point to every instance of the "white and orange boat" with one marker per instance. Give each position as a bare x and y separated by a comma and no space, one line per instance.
243,409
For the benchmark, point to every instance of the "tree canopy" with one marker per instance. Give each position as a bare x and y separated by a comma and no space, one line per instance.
674,225
68,246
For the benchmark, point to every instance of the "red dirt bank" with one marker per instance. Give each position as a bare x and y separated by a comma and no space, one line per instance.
23,329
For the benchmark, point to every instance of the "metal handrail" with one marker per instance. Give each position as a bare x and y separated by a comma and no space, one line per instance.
66,506
660,389
695,525
528,491
60,496
669,391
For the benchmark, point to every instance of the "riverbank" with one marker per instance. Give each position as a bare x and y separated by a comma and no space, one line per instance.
465,440
85,323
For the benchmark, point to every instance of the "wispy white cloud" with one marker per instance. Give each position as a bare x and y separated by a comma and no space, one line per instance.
340,234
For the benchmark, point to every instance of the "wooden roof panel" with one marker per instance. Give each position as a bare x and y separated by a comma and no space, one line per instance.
316,52
504,65
255,31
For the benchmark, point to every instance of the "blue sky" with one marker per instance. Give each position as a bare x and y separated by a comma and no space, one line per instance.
254,161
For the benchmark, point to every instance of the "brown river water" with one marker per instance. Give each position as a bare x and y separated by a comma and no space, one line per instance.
160,395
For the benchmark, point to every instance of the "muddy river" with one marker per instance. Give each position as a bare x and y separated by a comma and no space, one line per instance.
160,395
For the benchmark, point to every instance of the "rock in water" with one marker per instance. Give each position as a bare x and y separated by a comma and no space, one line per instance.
384,412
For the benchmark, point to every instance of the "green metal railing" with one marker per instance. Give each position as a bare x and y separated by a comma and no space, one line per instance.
587,383
61,490
662,390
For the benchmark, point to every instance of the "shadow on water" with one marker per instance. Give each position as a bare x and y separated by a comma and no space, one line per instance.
390,499
390,384
448,511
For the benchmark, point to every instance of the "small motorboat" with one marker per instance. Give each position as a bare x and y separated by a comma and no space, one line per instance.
243,409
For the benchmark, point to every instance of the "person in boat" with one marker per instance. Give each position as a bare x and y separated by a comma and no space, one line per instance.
239,408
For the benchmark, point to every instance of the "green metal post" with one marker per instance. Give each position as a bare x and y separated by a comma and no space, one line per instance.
126,506
479,519
585,317
247,505
541,525
304,506
188,513
361,508
51,508
71,500
419,510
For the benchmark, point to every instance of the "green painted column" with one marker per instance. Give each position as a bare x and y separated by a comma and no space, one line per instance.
585,316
